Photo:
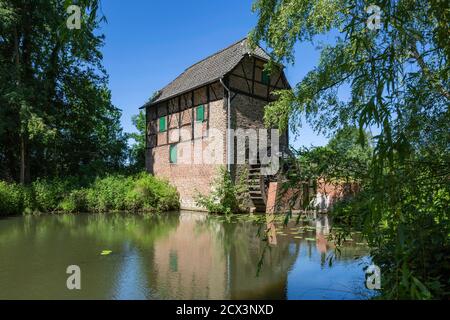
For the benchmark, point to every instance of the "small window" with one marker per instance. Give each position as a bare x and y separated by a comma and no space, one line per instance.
265,78
200,113
162,124
173,153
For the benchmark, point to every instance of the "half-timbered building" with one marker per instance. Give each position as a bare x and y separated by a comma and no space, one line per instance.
193,114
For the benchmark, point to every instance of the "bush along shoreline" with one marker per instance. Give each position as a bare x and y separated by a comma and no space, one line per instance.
113,193
226,197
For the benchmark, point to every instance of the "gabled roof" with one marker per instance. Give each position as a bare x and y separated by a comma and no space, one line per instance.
209,70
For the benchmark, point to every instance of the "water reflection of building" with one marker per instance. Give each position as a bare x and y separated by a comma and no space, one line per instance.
190,262
205,258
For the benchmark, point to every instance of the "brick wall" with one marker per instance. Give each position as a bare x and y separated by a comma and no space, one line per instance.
321,197
189,175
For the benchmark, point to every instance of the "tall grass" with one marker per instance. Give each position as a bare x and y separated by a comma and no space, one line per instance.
137,193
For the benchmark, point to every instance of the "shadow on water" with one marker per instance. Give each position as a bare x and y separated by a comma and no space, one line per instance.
182,255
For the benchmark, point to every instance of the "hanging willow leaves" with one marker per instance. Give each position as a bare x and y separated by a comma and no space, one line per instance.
398,82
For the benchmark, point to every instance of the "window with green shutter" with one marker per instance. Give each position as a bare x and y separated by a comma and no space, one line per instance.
265,78
173,153
200,113
173,261
162,124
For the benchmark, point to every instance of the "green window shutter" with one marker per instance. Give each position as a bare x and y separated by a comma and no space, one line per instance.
173,261
162,124
200,114
265,78
173,153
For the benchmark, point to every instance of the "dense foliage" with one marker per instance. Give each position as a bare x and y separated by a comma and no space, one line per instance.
138,193
398,80
226,196
56,115
346,158
343,165
137,150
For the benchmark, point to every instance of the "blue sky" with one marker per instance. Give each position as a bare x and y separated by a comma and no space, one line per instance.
149,43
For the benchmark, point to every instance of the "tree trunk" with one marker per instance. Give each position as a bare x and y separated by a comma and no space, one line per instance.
22,160
23,143
25,78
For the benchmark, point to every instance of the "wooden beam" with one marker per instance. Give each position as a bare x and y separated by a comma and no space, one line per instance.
242,77
278,80
179,117
253,75
245,76
168,121
234,96
208,99
157,124
192,115
248,94
213,92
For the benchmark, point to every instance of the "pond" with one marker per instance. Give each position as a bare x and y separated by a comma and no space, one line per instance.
180,255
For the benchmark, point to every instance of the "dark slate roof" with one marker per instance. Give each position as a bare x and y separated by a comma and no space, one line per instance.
209,69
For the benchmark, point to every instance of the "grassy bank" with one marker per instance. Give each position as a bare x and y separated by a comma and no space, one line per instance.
138,193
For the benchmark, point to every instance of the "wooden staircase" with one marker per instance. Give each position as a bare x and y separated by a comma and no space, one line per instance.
256,187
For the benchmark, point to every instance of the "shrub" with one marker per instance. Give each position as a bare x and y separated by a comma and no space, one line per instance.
11,198
108,194
75,202
150,193
47,194
225,197
142,192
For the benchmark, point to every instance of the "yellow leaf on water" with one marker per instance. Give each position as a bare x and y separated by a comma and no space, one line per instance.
105,252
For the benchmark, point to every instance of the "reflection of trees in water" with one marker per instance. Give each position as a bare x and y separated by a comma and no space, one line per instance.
316,236
142,230
185,255
41,247
245,254
111,228
245,247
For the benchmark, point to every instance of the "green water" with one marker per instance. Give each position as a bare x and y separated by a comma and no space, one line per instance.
182,255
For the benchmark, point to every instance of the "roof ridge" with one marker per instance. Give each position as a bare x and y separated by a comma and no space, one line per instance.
206,58
210,68
216,53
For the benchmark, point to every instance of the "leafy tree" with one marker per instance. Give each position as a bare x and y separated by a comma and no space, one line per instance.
398,80
56,116
137,150
344,162
343,159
